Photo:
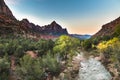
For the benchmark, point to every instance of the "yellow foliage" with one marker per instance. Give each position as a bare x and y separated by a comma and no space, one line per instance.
102,45
105,44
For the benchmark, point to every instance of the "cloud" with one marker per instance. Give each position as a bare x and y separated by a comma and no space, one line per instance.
12,2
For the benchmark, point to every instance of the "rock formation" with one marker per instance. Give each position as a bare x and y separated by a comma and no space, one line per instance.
108,29
4,10
10,25
54,29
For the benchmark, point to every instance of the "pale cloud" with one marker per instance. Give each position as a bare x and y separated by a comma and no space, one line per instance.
12,2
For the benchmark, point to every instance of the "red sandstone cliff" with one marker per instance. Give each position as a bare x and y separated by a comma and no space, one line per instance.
108,29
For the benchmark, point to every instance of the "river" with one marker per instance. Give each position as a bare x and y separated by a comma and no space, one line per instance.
91,69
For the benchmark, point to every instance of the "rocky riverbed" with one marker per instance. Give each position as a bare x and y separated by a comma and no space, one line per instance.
91,68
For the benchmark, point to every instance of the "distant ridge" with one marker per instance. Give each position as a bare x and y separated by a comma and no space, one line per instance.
82,37
108,29
51,29
10,25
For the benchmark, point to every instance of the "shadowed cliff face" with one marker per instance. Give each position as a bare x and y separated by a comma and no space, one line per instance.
51,29
4,10
54,29
108,29
8,23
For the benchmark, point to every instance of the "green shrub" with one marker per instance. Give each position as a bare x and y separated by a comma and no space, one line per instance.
50,63
117,31
87,44
4,68
36,69
29,69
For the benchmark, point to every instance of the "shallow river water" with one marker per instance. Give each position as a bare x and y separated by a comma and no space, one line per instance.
92,69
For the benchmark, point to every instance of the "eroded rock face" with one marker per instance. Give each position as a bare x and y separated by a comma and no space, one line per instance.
10,25
108,29
54,29
29,27
51,29
4,10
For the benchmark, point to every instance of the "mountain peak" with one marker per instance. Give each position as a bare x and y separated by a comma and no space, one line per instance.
55,25
54,22
25,20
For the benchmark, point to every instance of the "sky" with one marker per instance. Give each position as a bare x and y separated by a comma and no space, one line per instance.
78,16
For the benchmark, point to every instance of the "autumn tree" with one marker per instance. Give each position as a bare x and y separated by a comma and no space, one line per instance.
66,46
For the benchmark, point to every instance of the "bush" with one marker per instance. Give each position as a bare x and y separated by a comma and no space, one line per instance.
36,69
43,46
4,68
111,50
117,31
18,46
51,65
87,44
29,69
